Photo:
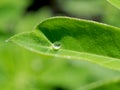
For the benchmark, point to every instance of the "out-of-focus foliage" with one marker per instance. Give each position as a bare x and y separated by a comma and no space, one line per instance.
113,84
111,15
24,70
115,3
10,12
83,8
29,21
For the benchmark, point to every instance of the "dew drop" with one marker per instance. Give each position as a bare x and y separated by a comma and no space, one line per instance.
56,45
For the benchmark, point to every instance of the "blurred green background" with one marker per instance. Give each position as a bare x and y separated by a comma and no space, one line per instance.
21,69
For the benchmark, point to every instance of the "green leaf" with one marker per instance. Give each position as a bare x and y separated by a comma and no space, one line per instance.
115,3
74,39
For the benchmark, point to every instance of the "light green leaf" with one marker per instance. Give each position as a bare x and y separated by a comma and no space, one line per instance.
74,39
115,3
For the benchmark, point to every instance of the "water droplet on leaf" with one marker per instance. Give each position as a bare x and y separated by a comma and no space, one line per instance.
56,45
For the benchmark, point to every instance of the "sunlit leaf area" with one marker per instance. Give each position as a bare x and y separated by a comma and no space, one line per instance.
89,45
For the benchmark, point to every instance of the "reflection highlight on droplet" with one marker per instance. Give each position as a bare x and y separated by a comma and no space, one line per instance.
56,45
